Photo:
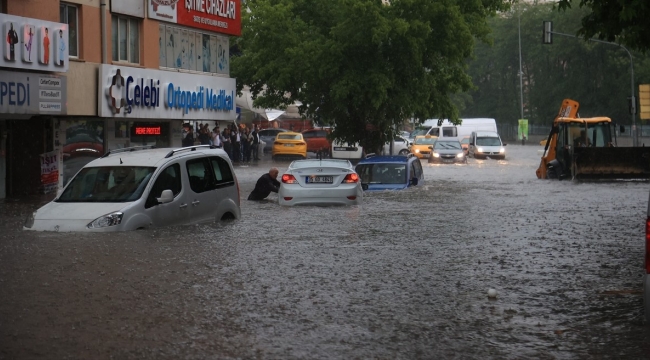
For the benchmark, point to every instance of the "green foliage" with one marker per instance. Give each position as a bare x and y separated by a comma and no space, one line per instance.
594,74
361,64
624,21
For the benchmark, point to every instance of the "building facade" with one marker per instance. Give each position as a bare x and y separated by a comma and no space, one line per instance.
81,77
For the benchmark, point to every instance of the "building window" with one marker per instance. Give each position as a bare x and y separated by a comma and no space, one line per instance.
68,15
125,35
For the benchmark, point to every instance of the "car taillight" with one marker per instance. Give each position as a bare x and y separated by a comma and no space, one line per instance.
647,246
289,179
351,178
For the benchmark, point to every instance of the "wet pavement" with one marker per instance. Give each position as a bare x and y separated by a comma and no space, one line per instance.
405,275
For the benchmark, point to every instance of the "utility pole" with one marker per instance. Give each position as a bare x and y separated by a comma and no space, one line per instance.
521,73
548,39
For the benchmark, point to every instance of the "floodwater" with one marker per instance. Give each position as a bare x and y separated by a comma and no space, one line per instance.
405,275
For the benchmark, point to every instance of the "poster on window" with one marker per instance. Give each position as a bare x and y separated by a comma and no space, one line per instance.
205,56
162,57
223,66
184,49
213,54
60,47
175,46
49,171
191,50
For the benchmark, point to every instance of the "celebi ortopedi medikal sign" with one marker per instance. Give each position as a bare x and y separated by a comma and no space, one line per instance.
142,93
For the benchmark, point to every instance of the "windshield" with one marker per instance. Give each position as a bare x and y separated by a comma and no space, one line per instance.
488,141
425,141
107,184
446,145
420,131
382,173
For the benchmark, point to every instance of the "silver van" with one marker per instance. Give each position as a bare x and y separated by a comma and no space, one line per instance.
137,188
486,144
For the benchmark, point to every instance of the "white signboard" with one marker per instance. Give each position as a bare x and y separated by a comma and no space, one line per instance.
33,44
128,92
32,93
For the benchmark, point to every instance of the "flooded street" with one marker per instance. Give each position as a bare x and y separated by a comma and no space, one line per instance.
405,275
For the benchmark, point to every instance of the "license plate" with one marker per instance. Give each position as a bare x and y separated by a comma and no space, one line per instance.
319,179
288,145
426,156
340,149
448,161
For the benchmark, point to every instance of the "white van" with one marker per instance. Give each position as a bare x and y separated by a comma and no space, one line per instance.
136,188
449,130
484,144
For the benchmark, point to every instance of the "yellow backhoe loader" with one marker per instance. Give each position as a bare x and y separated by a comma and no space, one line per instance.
584,149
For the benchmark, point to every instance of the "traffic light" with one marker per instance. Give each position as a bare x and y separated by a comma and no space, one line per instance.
547,37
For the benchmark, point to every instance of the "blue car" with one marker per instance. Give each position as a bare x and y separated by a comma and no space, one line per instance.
389,172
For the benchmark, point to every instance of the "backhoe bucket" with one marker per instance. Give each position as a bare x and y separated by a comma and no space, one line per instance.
611,163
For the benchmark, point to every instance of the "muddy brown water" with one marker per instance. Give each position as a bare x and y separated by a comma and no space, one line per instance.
405,275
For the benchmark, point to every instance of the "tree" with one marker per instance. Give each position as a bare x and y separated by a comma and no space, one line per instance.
623,21
361,64
596,75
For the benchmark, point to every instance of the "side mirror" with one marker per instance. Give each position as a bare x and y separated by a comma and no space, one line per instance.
414,181
504,144
166,197
364,186
431,147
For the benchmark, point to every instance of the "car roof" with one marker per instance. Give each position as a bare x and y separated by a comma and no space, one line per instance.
386,159
274,129
290,133
486,133
152,157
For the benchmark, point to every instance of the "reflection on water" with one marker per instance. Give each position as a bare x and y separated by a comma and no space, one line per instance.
405,275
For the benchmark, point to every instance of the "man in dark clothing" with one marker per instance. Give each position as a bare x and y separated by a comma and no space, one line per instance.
256,142
265,184
188,139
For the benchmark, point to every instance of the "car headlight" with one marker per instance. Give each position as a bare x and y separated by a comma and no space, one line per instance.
106,221
479,149
460,155
29,222
435,154
502,151
417,150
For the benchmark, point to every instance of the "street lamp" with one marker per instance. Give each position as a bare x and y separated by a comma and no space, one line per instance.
548,39
521,73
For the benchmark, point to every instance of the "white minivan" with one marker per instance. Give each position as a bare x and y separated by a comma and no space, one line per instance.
136,188
486,144
343,150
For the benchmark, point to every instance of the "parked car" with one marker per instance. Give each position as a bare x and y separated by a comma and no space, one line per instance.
447,151
400,146
390,172
320,182
135,188
289,144
268,136
421,146
317,140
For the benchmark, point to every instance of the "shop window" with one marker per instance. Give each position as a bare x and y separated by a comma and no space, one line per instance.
69,14
125,37
187,49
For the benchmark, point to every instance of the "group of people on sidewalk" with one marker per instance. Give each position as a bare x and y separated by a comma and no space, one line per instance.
241,145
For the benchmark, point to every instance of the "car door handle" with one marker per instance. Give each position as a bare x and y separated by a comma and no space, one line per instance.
183,206
195,202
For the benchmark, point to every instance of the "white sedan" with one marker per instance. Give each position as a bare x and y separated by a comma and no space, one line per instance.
320,182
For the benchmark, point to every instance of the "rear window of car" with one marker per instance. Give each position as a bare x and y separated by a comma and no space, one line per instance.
289,136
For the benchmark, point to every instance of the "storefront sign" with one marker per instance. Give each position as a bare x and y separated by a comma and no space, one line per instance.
221,16
33,44
142,93
31,93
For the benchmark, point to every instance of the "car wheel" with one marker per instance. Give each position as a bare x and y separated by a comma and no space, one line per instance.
404,152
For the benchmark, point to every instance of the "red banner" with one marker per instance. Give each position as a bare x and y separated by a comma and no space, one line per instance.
219,16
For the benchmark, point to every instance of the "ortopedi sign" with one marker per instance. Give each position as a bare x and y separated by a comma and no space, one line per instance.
128,92
32,93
